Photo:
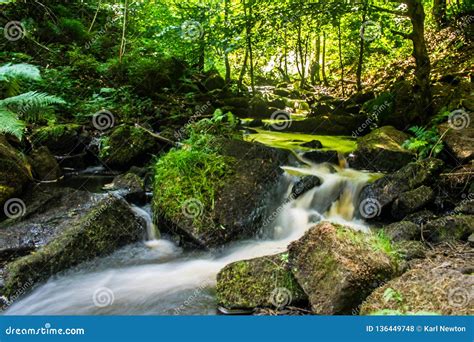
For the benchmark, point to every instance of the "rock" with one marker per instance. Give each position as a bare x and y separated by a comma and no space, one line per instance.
214,82
459,139
465,207
230,208
430,288
385,190
401,231
411,201
322,157
259,282
449,228
334,124
130,186
305,184
109,225
49,210
15,172
278,102
255,123
64,139
421,217
327,264
409,250
471,240
45,166
361,98
127,146
260,108
320,110
313,144
403,113
381,151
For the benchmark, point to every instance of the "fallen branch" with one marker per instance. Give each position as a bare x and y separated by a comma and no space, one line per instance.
159,137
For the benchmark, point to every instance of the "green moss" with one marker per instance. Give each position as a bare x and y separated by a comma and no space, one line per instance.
195,172
55,132
389,312
293,141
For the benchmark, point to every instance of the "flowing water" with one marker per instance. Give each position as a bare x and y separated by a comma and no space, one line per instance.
157,277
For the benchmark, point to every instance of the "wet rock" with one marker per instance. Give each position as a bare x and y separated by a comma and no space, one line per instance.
259,282
381,151
238,207
401,231
411,201
255,123
305,184
449,228
109,225
45,166
322,157
387,189
327,264
130,186
458,137
127,146
15,172
313,144
431,288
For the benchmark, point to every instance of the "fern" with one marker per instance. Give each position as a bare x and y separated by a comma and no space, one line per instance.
12,74
426,142
10,124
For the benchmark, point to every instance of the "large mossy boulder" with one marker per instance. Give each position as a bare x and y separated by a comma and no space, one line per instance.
256,283
45,166
432,287
63,139
338,267
381,151
384,191
109,225
412,201
15,171
128,146
214,193
449,228
459,136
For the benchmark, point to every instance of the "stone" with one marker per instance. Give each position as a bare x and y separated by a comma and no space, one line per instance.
45,166
303,185
411,201
313,144
401,231
449,228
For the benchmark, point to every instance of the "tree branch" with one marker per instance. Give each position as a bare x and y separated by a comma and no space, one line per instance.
403,34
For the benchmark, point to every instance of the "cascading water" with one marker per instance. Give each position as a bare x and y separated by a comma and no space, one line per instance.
156,277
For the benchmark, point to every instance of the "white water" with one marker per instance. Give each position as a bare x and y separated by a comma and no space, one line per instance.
158,278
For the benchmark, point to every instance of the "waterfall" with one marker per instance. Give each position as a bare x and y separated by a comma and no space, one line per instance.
164,280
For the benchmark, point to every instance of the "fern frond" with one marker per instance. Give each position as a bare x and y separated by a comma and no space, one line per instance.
19,71
10,124
30,101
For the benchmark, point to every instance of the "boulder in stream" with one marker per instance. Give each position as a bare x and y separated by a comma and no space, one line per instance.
109,225
256,283
304,184
338,267
15,172
381,151
130,186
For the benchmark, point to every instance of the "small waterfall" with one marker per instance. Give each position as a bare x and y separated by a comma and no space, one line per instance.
162,280
145,214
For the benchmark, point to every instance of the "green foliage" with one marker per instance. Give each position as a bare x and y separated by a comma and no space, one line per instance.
195,172
225,125
389,312
12,74
426,142
392,295
10,124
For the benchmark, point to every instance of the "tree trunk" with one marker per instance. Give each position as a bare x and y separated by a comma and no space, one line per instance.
323,61
361,50
340,56
315,72
244,68
248,12
124,29
226,53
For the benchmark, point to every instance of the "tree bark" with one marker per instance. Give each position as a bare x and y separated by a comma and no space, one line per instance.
226,53
339,38
323,61
361,49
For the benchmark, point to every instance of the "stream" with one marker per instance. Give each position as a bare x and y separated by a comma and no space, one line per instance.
156,277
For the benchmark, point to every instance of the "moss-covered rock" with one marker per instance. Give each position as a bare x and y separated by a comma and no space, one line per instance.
411,201
449,228
259,282
388,188
213,193
127,146
108,226
439,288
404,230
381,150
130,186
460,140
15,171
45,166
338,267
60,139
